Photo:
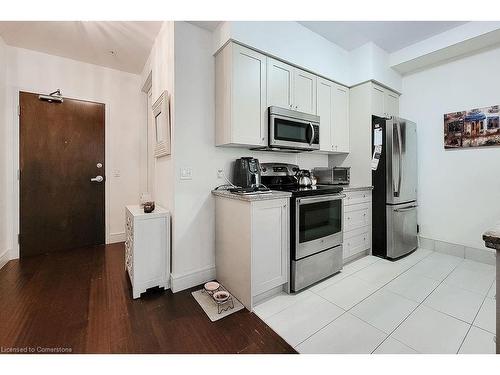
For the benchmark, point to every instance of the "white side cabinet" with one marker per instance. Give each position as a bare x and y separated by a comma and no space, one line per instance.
252,252
357,223
147,248
269,245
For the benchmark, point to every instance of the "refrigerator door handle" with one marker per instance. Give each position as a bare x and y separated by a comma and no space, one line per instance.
400,160
405,208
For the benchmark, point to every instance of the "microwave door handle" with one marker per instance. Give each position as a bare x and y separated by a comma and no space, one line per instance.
312,134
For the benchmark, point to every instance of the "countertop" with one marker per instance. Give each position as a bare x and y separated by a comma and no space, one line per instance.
356,187
138,211
492,237
252,197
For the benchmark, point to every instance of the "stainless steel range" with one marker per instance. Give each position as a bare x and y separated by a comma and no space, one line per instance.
316,225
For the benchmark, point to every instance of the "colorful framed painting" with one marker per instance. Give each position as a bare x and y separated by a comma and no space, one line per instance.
478,127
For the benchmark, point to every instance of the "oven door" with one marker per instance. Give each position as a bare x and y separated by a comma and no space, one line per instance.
318,224
293,133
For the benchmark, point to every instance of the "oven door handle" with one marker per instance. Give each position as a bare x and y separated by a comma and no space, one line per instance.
324,198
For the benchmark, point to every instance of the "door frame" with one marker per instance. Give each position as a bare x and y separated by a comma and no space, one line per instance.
16,214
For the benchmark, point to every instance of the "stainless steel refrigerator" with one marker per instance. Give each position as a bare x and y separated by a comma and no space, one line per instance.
394,179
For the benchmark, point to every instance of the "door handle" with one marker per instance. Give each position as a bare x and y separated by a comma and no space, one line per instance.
405,208
97,179
400,159
312,133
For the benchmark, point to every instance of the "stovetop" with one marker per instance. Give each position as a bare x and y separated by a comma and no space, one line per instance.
300,191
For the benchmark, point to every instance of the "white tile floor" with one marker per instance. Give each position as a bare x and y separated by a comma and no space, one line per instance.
428,302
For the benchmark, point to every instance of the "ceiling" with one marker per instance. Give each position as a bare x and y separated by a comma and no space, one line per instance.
122,45
125,45
388,35
207,25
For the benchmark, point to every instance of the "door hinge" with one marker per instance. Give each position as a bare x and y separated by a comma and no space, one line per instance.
18,174
19,239
18,110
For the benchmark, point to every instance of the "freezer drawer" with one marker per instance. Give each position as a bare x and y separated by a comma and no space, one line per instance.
307,271
401,229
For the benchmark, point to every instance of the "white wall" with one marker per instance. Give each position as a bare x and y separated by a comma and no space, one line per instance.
160,64
459,190
370,62
125,110
459,41
194,231
289,41
3,158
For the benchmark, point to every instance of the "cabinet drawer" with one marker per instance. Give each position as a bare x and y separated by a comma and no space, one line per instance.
356,197
356,241
356,216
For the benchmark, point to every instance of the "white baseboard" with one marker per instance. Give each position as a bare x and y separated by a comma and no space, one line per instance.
188,280
485,255
4,258
116,237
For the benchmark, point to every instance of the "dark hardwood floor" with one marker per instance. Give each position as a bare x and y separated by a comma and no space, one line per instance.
81,300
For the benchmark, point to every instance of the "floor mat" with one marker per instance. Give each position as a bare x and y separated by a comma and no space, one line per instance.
210,307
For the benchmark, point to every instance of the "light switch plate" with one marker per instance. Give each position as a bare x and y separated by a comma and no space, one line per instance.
186,173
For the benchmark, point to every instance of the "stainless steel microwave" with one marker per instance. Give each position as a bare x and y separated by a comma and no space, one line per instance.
333,175
293,130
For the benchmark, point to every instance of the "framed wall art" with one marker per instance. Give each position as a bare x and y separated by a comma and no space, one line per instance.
477,127
161,124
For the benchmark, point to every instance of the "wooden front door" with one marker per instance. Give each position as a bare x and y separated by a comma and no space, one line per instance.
61,147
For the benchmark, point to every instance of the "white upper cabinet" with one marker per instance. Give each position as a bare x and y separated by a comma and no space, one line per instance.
290,87
333,112
378,101
304,91
391,104
279,83
240,112
325,92
340,132
248,82
385,103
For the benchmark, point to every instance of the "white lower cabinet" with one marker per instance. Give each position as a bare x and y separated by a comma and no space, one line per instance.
269,245
357,223
356,241
147,248
252,246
